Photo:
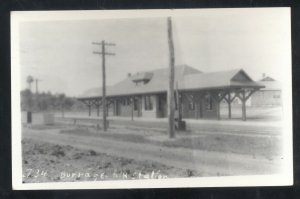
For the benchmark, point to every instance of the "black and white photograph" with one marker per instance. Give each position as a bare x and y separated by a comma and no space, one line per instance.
151,98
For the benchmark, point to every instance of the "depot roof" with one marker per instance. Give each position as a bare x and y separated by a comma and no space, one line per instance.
186,78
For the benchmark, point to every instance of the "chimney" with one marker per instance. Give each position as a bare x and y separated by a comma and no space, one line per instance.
129,75
263,75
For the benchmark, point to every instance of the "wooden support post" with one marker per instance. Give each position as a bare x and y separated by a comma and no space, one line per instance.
98,110
218,109
200,106
229,105
245,98
103,53
115,107
103,86
171,111
243,106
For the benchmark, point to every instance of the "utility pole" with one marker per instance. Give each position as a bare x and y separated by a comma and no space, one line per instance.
103,53
171,128
36,85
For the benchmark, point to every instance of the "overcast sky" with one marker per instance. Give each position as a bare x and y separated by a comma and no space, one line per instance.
60,52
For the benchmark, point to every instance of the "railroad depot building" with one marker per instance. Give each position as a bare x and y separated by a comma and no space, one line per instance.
197,94
270,95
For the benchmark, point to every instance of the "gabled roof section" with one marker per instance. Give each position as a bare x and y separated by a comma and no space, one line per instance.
270,84
188,69
240,76
186,77
221,79
157,83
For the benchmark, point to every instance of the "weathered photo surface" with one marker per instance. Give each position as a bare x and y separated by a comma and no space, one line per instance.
151,98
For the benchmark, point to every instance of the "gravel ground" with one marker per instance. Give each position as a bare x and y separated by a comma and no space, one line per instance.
265,146
45,162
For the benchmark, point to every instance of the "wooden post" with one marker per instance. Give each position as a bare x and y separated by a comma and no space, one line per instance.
107,109
171,128
115,107
103,53
200,105
218,109
140,103
243,106
98,110
229,105
132,107
103,86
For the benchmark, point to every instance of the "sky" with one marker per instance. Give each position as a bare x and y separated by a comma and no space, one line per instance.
60,53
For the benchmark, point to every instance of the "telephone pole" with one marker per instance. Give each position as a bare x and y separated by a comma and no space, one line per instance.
36,85
171,111
103,53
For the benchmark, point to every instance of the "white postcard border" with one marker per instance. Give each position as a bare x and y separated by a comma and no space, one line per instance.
236,181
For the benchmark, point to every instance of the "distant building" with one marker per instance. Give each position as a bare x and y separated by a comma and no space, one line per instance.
199,94
268,96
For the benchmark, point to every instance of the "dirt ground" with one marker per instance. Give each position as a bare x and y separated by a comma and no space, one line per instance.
45,162
228,145
266,146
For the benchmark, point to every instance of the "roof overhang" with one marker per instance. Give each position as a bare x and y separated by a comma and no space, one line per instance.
217,88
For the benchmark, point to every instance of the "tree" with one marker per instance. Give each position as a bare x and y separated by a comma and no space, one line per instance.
46,101
68,103
61,100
